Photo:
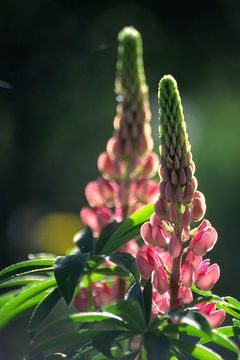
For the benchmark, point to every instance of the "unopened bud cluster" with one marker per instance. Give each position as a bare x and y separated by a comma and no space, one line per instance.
178,185
128,162
174,266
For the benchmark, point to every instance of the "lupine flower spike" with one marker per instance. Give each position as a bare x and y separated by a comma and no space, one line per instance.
175,267
128,162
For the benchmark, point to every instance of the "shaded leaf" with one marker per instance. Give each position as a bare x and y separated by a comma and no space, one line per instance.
42,311
68,271
84,317
127,262
157,346
103,341
84,240
147,300
77,338
135,293
131,312
105,235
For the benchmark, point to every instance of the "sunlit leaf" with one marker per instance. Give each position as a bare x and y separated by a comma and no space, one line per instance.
128,230
18,303
26,267
198,351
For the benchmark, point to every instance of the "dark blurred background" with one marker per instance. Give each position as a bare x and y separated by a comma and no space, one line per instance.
57,69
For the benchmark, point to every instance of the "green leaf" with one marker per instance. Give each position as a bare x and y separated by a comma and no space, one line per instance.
225,306
43,310
84,317
235,303
157,346
105,235
228,330
103,341
147,300
25,267
14,306
111,271
222,340
131,312
5,298
196,319
236,322
135,293
198,351
22,280
77,338
68,271
127,262
84,240
181,308
129,229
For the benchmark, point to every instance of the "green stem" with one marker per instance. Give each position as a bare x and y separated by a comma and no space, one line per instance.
90,294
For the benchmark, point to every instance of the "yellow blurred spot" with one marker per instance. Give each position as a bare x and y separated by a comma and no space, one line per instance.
54,233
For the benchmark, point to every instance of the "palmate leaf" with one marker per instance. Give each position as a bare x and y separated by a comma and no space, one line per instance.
103,341
198,351
105,235
196,319
233,302
128,230
43,310
131,312
157,346
192,330
76,339
26,267
84,240
68,270
22,300
91,317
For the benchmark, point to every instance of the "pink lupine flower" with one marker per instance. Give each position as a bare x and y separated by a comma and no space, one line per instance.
195,260
146,190
80,301
187,217
198,206
174,247
93,194
103,294
185,295
108,189
146,233
148,259
150,165
130,247
160,280
155,235
105,164
96,218
160,303
207,276
167,259
204,240
215,317
160,207
187,274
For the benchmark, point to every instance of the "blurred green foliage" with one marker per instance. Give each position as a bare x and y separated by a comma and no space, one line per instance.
59,58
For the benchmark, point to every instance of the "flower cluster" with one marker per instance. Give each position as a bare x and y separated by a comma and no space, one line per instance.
173,265
128,162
